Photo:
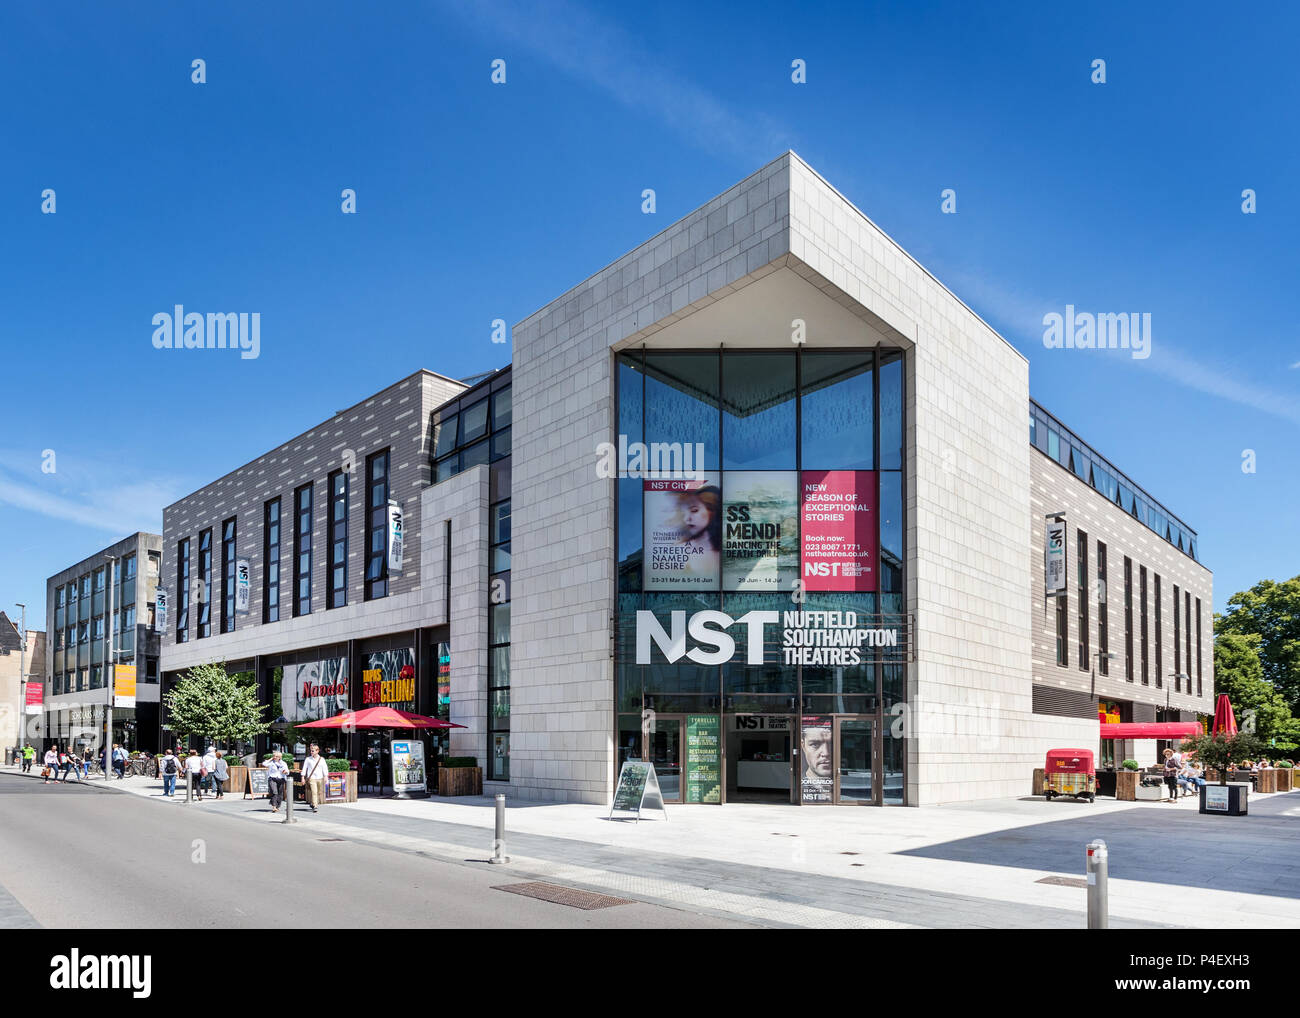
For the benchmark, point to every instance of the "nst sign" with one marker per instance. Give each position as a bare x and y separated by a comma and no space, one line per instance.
708,629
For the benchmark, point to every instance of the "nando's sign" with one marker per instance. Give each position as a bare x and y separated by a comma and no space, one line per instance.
805,637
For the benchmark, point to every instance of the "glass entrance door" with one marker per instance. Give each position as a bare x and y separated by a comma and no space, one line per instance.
666,738
856,782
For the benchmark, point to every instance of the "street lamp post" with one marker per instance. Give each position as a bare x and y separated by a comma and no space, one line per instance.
109,668
22,675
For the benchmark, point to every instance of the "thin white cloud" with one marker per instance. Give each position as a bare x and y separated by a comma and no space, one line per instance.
599,52
88,495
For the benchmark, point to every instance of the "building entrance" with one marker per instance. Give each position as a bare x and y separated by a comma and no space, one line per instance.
758,757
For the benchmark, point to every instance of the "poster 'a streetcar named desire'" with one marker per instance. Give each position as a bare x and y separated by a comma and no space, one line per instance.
683,533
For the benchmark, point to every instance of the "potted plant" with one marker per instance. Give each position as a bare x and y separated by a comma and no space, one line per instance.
1126,781
459,775
1217,753
1284,775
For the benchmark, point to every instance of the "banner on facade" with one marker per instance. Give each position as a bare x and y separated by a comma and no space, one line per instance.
124,685
160,611
314,689
1055,556
703,758
840,526
760,530
408,765
34,697
444,682
817,781
683,533
395,532
241,585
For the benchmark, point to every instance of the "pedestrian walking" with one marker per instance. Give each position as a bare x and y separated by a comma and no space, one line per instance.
29,754
51,764
276,773
168,768
67,763
119,760
314,770
194,773
220,773
209,765
86,756
1172,767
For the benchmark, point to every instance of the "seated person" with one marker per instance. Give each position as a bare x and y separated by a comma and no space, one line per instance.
1190,778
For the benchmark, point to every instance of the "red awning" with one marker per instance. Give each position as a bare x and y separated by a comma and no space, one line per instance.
1150,730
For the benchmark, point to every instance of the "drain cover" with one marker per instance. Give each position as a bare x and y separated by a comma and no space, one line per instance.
571,896
329,839
1063,881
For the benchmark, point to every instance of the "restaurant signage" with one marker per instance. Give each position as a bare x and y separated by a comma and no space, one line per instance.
703,758
390,679
312,690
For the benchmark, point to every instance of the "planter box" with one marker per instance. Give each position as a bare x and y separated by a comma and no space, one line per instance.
1126,786
237,781
1284,779
460,780
352,789
1266,781
1039,780
1151,793
1225,800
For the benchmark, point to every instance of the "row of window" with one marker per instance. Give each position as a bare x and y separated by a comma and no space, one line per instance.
86,595
82,679
1049,436
1138,667
466,433
338,487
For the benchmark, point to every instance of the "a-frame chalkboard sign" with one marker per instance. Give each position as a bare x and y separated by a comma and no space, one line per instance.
638,789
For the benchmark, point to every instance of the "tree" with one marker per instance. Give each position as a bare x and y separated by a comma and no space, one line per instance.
1239,673
213,704
1220,752
1271,611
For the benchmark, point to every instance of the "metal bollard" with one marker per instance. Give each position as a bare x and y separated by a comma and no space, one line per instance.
498,846
288,800
1098,895
189,786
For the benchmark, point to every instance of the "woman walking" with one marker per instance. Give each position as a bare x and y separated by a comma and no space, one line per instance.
220,774
194,772
51,764
1172,768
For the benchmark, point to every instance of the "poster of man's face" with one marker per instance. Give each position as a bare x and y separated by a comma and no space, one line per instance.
818,750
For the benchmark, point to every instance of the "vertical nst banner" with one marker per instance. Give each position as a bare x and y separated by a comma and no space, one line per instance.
1055,557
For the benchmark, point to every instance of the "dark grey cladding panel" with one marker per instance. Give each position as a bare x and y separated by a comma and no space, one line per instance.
1065,703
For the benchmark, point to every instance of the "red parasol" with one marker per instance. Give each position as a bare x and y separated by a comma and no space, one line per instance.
1225,721
379,717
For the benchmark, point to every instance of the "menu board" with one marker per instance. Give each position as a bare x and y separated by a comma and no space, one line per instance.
760,530
703,758
257,782
683,533
336,786
839,529
817,749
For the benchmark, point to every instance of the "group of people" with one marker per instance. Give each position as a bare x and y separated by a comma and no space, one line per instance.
314,770
207,773
1183,775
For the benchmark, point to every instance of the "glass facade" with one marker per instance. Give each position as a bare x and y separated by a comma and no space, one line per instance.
772,482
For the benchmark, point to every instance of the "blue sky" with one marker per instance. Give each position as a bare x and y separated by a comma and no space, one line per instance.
478,201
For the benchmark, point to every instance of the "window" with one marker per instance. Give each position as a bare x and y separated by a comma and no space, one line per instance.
1198,647
837,410
228,576
128,567
155,566
498,749
1178,647
336,588
1187,635
99,580
302,551
1081,588
1103,621
1062,629
1128,619
183,591
1160,651
85,586
377,525
1142,593
474,422
500,517
59,595
271,561
204,589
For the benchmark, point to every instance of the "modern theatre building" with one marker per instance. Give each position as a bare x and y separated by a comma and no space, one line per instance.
761,501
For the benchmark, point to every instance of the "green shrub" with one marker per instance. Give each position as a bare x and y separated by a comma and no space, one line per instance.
335,764
1132,765
458,761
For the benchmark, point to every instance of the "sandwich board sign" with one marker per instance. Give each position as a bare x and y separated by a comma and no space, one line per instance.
637,789
258,785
